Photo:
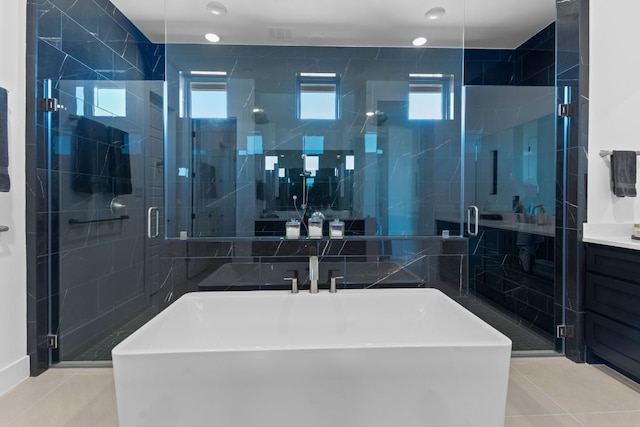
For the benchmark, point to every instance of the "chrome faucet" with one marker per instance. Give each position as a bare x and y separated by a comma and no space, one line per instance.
294,281
313,274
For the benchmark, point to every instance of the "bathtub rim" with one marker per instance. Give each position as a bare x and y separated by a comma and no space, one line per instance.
498,340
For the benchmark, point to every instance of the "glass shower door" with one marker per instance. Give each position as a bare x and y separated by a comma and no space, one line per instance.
510,165
106,171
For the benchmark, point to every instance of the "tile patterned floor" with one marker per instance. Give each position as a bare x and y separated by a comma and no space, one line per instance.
543,392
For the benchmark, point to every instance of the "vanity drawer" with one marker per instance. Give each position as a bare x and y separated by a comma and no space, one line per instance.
615,342
616,299
614,262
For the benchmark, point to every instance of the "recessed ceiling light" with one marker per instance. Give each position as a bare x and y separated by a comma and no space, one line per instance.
213,38
216,8
419,41
434,13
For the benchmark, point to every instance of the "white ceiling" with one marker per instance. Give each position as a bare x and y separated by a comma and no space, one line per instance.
491,24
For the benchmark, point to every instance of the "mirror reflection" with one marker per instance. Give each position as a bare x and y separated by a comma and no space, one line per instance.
510,134
264,134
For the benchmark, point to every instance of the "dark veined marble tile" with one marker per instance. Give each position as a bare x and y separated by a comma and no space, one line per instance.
50,23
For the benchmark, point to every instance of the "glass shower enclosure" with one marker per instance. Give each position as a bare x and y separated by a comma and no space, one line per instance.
173,166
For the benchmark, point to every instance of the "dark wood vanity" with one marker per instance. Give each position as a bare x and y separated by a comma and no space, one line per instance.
612,303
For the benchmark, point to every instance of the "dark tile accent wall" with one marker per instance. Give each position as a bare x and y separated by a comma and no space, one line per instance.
573,87
67,40
422,262
531,64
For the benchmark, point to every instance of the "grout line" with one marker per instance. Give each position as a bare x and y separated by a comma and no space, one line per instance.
607,412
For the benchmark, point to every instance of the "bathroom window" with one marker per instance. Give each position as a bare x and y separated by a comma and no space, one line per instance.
109,102
313,144
318,96
430,97
254,144
208,99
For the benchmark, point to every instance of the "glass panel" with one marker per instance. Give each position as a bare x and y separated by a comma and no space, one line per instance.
104,149
372,162
510,158
220,140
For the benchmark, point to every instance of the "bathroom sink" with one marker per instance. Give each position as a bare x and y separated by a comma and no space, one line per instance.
491,216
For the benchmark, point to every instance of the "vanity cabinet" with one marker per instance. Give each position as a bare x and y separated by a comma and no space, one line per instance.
612,303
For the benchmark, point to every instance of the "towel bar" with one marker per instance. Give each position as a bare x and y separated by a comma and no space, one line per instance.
73,221
605,153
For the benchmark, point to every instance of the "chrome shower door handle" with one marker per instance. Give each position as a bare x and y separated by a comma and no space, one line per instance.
476,214
153,218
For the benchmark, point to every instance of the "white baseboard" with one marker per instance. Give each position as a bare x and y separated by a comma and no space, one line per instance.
14,374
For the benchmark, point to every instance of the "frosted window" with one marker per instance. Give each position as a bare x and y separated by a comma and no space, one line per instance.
209,100
270,163
109,102
318,96
350,163
311,163
425,102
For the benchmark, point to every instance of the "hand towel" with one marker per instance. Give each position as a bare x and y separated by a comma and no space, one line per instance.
623,173
90,158
119,162
100,159
5,182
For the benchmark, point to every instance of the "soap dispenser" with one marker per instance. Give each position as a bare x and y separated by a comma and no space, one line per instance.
315,225
292,229
336,229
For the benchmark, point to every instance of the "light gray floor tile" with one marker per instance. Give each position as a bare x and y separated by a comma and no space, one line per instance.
524,398
81,400
580,388
542,421
541,392
611,419
27,394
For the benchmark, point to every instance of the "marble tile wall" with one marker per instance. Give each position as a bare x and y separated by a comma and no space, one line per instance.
531,64
69,41
572,139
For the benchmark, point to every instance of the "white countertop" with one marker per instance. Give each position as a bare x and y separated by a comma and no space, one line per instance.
616,235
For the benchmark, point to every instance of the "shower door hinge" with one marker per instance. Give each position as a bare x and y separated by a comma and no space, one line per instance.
565,110
51,341
48,105
564,331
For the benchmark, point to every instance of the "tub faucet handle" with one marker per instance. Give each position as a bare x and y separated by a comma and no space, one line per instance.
294,280
332,286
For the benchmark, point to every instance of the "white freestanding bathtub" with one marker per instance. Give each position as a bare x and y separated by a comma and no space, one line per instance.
357,358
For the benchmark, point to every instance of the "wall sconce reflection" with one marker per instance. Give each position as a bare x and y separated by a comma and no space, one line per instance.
379,117
260,117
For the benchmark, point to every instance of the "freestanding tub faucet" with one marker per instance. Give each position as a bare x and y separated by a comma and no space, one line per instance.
332,285
313,271
294,281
